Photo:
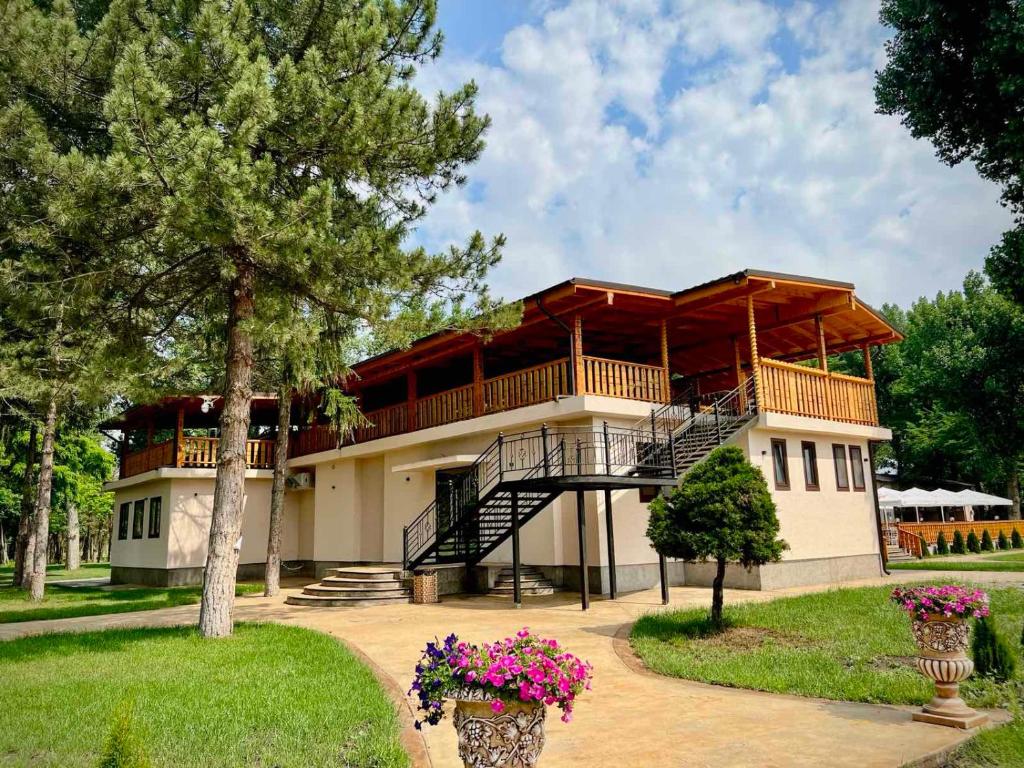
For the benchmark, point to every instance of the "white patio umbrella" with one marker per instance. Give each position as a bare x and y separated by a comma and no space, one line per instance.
977,498
889,497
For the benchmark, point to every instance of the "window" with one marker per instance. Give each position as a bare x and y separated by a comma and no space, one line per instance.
842,473
140,513
122,521
780,464
155,505
857,467
810,454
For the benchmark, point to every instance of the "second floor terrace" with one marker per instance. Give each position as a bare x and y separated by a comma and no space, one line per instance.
577,339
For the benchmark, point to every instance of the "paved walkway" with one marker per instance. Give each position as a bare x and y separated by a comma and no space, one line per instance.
631,718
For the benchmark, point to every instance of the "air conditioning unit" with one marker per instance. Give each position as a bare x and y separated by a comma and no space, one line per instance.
301,481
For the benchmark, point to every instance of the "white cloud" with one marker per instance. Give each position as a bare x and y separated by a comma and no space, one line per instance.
668,143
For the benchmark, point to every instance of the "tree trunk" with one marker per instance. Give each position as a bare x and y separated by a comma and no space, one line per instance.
1013,490
74,560
284,423
226,523
37,577
717,593
24,549
3,546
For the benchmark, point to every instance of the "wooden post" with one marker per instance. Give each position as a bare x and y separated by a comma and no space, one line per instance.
819,334
578,378
611,541
666,381
755,361
149,432
869,370
738,362
581,526
410,401
478,380
179,438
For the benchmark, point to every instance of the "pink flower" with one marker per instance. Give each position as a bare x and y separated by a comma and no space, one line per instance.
497,706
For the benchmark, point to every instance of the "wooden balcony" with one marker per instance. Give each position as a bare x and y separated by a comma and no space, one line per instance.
802,391
192,452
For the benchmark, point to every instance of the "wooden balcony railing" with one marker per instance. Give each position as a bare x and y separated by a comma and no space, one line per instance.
802,391
614,378
529,386
914,532
444,407
382,423
193,452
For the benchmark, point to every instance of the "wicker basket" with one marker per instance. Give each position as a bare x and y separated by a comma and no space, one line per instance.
424,587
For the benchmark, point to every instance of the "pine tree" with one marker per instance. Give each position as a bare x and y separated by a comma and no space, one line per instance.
987,544
1004,543
124,748
992,655
958,548
1016,539
941,545
973,545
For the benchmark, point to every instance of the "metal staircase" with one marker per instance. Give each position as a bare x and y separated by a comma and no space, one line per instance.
531,469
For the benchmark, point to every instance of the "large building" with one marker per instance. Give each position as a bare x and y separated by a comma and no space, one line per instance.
563,427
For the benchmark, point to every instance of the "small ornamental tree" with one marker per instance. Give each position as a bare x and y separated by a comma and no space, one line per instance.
958,548
987,545
941,545
973,545
1004,543
722,511
993,656
1016,540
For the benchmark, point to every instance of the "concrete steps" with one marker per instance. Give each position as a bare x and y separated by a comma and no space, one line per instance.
355,586
531,582
898,555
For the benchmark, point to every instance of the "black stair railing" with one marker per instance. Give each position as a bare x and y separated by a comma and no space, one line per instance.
526,459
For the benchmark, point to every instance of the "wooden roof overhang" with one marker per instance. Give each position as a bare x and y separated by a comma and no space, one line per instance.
707,319
607,309
163,414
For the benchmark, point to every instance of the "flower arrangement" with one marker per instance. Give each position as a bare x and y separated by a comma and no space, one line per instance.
949,600
527,668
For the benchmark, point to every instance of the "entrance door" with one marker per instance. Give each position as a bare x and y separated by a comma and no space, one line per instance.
456,491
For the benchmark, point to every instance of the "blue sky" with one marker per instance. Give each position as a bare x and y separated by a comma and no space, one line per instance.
667,142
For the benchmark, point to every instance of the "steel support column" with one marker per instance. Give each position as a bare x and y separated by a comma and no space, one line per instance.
517,592
581,525
611,542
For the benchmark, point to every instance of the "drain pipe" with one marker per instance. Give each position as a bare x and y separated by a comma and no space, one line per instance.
883,551
554,318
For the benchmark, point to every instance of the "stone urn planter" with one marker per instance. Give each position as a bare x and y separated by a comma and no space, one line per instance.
942,641
509,737
501,692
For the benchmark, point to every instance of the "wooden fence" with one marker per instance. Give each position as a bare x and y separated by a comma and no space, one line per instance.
802,391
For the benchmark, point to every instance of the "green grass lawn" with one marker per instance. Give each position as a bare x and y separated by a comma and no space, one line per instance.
849,644
268,696
63,602
945,564
57,572
994,748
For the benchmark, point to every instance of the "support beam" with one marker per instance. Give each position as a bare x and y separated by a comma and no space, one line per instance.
579,384
666,380
478,380
755,361
517,592
869,371
179,434
611,542
581,526
410,399
819,333
663,573
738,366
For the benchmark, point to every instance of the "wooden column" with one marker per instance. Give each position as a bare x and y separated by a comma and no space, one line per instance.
819,334
578,375
738,364
149,432
179,438
666,381
755,361
410,401
869,370
478,380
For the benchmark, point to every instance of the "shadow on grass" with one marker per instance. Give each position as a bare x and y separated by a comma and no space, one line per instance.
687,625
80,644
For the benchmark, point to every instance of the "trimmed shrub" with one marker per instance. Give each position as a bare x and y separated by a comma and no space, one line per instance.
124,747
1016,539
941,545
1004,543
958,548
987,545
993,656
973,545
